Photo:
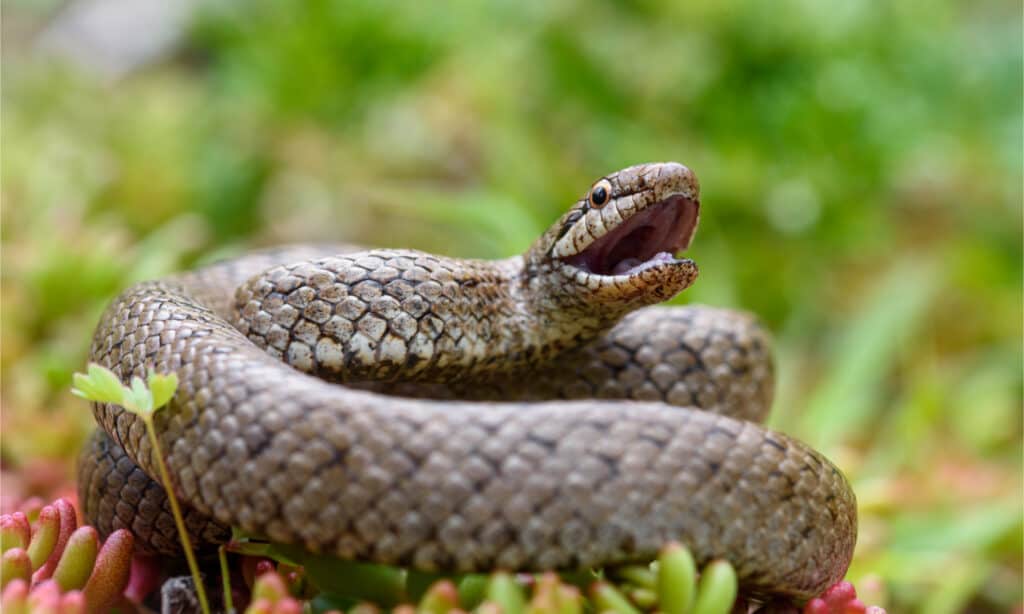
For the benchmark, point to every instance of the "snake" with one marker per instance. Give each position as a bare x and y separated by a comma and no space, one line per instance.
539,412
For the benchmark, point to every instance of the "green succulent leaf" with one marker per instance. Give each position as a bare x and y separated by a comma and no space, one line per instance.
77,560
676,579
44,538
441,598
472,590
14,531
640,575
607,598
270,586
381,584
716,591
15,564
504,591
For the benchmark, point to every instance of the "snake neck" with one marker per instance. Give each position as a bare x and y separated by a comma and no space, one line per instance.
385,315
551,315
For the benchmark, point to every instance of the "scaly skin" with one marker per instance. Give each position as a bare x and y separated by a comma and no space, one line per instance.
598,455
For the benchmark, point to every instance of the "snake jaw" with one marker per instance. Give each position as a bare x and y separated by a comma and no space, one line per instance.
649,238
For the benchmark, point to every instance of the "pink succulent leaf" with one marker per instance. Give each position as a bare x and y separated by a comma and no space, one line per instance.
288,605
15,596
270,586
73,602
31,508
264,566
253,567
45,598
143,578
816,606
840,598
112,571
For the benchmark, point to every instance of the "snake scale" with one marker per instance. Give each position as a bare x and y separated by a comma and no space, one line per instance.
529,413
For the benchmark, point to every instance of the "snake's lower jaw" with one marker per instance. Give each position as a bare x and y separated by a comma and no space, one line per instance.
651,282
660,281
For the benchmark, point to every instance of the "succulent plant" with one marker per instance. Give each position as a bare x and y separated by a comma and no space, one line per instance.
56,565
673,584
840,598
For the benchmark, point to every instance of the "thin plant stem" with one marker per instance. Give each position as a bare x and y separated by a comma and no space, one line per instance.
229,605
176,511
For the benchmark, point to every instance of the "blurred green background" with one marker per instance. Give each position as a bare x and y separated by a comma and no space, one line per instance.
861,173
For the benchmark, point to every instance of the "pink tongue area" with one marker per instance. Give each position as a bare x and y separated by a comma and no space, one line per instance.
634,265
649,238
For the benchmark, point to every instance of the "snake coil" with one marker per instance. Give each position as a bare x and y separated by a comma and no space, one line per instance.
530,413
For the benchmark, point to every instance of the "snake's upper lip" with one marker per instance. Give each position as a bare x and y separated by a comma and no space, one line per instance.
650,237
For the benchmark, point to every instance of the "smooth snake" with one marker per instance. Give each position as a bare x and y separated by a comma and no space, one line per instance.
524,414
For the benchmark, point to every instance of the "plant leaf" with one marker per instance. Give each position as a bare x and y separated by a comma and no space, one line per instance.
141,397
100,385
162,388
716,589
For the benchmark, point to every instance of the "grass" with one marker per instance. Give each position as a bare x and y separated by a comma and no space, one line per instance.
861,176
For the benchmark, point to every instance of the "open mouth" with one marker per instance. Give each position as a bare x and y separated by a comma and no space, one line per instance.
648,238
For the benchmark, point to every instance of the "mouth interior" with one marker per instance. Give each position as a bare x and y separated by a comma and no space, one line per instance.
646,239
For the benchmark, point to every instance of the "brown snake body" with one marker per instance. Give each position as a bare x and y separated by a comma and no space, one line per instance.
531,413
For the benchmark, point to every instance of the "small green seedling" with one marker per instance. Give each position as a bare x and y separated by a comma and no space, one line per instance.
143,399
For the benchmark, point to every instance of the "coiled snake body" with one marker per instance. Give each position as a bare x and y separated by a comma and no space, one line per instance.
530,413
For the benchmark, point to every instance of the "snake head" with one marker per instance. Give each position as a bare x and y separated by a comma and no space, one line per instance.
618,244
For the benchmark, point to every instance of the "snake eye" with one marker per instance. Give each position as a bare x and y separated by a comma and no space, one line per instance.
600,192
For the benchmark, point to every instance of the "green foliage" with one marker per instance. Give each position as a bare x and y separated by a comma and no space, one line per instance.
76,564
143,398
676,580
506,593
101,385
503,591
861,174
717,589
